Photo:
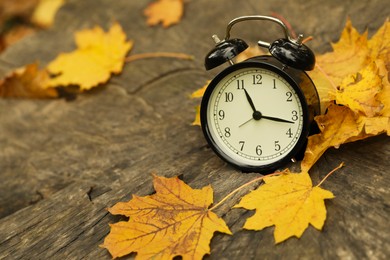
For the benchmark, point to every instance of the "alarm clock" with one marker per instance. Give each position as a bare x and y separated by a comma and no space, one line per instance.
257,114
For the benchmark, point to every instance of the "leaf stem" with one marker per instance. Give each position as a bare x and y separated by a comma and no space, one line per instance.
326,76
241,187
176,55
332,171
307,39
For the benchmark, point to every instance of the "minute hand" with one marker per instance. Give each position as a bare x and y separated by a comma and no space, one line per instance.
277,119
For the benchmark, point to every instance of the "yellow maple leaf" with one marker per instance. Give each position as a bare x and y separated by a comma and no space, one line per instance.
337,126
27,82
384,95
44,13
98,55
175,221
349,55
200,92
380,42
197,116
250,52
287,201
359,91
167,12
356,76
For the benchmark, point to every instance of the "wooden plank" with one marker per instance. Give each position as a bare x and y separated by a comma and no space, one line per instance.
73,159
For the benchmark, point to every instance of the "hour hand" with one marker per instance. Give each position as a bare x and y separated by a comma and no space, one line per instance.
250,100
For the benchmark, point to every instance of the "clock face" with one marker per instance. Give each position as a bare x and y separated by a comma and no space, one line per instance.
253,117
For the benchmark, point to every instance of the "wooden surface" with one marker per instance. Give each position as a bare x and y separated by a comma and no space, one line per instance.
63,162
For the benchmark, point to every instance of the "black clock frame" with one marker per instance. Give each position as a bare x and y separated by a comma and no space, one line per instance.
294,78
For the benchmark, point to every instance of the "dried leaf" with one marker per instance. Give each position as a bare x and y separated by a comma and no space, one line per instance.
359,91
384,95
200,92
45,12
175,221
379,44
287,201
167,12
349,55
356,76
337,126
17,33
250,52
98,55
27,82
20,8
197,116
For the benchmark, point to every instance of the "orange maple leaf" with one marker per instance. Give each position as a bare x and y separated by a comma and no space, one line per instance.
167,12
173,222
287,201
27,82
98,55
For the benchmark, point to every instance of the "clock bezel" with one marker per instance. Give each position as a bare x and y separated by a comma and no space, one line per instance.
268,63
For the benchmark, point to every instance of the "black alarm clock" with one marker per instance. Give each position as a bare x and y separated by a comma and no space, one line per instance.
257,114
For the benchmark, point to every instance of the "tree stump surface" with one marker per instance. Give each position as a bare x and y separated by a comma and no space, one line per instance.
64,162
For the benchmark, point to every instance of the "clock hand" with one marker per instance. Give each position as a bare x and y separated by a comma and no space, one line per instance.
246,122
277,119
250,101
260,116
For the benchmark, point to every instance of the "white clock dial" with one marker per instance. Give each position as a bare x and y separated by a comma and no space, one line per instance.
254,116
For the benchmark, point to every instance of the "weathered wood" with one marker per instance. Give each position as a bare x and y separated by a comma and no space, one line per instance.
62,163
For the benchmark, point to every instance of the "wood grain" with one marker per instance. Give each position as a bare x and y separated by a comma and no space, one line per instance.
62,163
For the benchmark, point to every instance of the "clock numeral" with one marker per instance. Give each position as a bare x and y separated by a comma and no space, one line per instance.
294,115
221,114
277,146
289,133
274,80
258,150
289,96
229,96
240,84
242,143
227,132
257,79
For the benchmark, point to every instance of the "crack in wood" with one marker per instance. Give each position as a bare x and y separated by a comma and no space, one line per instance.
162,77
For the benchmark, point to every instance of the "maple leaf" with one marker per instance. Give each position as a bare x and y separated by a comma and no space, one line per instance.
250,52
21,9
168,12
380,42
287,201
198,94
349,55
175,221
197,116
44,13
27,82
337,126
362,87
98,55
359,91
